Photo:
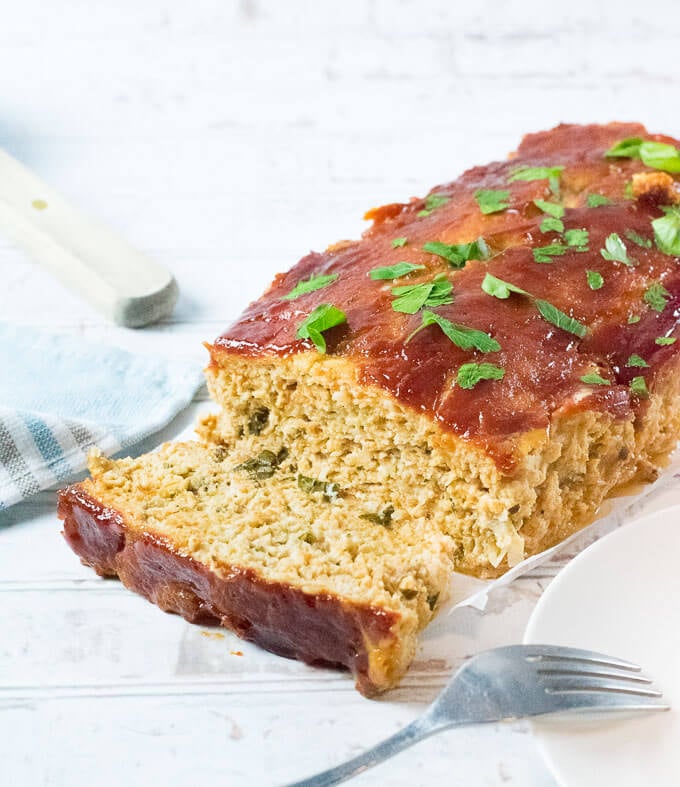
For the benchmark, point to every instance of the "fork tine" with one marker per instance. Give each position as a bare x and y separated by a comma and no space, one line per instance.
605,701
565,684
557,653
590,669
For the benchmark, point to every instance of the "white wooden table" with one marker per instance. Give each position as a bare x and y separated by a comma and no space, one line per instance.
227,139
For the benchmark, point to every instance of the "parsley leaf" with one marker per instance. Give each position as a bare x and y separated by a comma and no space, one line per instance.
399,243
633,318
662,341
384,519
492,200
470,374
462,336
595,280
325,316
577,238
552,174
412,297
457,254
638,386
552,208
658,155
550,224
499,288
656,295
432,202
626,148
595,379
638,240
313,283
616,251
394,271
559,319
637,360
330,490
597,200
546,253
502,289
667,233
263,465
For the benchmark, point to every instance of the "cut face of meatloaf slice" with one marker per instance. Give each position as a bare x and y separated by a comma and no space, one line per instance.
298,565
497,357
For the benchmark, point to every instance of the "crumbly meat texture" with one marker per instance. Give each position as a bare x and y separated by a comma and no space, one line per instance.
508,467
373,571
339,549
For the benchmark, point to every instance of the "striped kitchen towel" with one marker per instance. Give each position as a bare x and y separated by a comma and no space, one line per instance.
59,396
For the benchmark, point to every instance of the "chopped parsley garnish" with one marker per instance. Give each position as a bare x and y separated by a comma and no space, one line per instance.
492,200
597,200
384,518
469,374
559,319
577,238
410,298
551,174
637,360
551,208
656,295
502,289
551,224
329,490
432,202
595,280
499,288
457,254
394,271
313,283
638,386
615,250
263,465
667,232
461,335
595,379
626,148
546,253
638,240
658,155
662,341
325,316
399,243
633,318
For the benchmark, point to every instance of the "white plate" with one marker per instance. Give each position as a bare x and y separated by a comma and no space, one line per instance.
621,596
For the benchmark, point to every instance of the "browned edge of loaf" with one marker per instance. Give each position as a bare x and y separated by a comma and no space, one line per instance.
319,629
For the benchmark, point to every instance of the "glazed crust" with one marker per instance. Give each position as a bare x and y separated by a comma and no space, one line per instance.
543,365
318,629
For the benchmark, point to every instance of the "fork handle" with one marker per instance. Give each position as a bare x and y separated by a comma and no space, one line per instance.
416,731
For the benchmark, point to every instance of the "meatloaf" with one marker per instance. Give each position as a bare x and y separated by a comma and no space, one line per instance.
457,390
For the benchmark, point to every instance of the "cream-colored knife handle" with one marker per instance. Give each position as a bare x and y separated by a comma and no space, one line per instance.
121,282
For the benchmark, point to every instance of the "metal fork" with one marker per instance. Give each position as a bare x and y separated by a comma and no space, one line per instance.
510,683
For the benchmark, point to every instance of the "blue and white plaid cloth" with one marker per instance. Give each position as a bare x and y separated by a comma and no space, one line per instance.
59,396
